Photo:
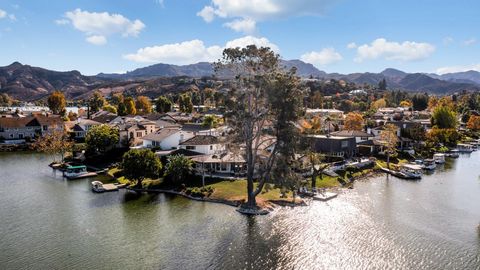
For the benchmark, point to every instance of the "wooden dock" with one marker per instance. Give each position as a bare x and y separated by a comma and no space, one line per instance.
325,196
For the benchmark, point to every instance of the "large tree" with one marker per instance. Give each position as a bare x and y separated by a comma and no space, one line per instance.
138,164
263,97
143,104
389,140
185,103
96,102
444,117
353,121
101,138
56,102
474,123
130,106
54,143
163,104
178,168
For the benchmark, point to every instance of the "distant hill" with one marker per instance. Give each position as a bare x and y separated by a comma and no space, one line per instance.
28,83
203,69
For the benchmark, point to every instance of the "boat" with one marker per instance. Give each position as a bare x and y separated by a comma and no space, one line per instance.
453,154
464,148
429,164
100,187
439,158
411,171
407,171
97,186
77,172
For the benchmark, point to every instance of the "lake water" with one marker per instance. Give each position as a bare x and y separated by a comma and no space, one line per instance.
47,222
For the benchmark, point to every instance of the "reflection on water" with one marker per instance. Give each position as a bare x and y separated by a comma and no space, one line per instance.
50,223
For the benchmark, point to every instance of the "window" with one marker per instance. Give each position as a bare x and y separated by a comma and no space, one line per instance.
45,127
20,135
190,147
211,147
224,167
139,134
344,144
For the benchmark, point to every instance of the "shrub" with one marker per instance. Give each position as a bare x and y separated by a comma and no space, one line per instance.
150,184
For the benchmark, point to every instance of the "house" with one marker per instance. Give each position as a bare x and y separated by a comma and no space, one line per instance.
103,117
166,138
205,144
335,146
221,165
360,136
80,127
132,131
333,113
21,128
199,129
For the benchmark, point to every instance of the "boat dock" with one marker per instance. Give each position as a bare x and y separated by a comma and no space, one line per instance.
325,196
99,187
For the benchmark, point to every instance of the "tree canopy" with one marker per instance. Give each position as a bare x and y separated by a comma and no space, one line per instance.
163,104
96,102
143,105
444,118
56,102
178,168
101,138
353,121
185,103
138,164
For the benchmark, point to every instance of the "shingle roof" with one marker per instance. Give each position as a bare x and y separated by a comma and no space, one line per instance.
351,133
201,140
161,134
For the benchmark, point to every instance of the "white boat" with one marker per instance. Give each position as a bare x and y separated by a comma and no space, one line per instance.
439,158
97,186
429,164
76,172
453,154
411,171
464,148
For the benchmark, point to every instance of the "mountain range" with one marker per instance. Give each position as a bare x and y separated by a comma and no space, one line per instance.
29,83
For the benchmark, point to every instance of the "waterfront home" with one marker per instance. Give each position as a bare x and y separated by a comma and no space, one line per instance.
18,129
219,165
79,128
131,133
334,146
205,144
360,136
166,138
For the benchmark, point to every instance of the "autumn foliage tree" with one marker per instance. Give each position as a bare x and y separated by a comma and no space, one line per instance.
143,105
56,102
389,140
353,121
54,143
474,123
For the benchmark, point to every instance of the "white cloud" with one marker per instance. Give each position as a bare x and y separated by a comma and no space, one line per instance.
405,51
324,57
261,10
192,51
242,25
469,42
207,13
459,68
102,24
4,14
352,45
250,40
97,40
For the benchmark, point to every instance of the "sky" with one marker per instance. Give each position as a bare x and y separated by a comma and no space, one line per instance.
343,36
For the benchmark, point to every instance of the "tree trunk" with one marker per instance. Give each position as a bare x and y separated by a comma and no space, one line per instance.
314,180
251,201
388,160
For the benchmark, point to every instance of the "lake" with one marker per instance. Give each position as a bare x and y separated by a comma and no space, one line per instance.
47,222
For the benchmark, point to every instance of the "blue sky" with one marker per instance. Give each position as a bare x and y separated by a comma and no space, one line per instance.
343,36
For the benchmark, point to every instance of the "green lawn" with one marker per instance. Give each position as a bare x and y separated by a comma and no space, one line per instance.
236,190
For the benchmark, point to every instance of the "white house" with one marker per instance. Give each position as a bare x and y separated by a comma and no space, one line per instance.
205,144
166,138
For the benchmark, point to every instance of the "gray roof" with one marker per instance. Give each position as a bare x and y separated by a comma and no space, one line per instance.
161,134
201,140
351,133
